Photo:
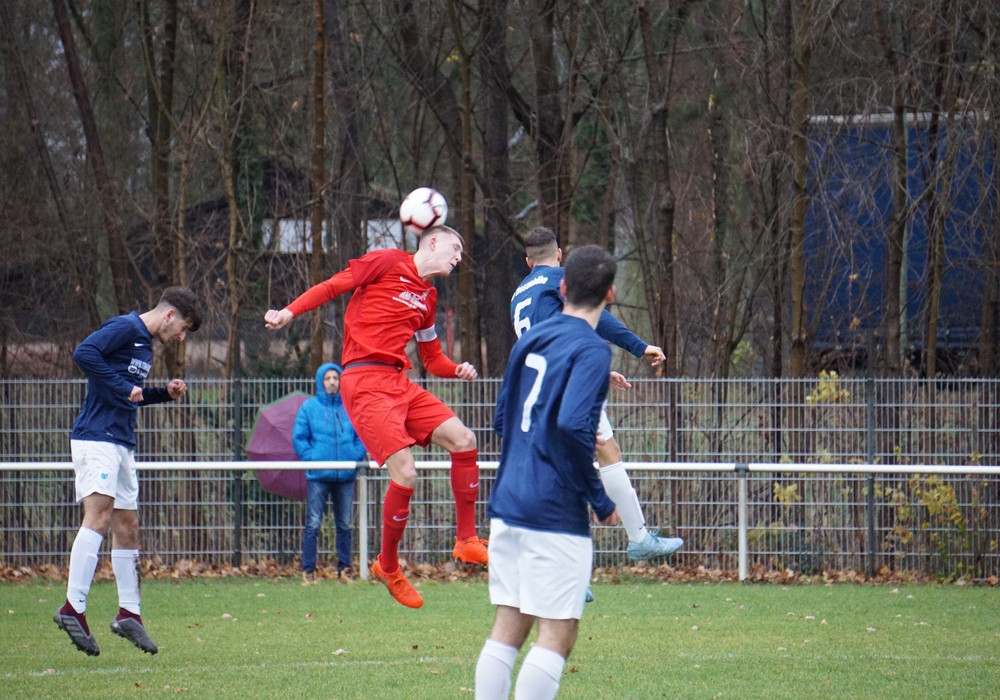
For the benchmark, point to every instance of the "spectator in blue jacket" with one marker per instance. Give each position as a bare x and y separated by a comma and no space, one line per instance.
323,432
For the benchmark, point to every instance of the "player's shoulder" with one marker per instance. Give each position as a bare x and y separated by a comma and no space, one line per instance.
386,255
378,262
540,279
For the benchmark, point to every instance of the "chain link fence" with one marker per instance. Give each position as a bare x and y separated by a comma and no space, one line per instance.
945,525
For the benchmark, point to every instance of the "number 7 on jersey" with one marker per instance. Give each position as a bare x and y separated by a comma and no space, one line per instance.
537,363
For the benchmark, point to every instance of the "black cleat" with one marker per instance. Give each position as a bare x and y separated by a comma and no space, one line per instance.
132,630
82,639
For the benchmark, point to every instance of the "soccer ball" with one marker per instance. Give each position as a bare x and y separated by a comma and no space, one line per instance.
423,207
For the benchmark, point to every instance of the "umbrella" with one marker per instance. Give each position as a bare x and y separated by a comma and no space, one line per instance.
271,441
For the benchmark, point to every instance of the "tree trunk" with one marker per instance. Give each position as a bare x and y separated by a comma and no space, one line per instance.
117,248
665,326
892,313
82,254
990,332
501,248
550,157
940,170
318,179
434,86
799,144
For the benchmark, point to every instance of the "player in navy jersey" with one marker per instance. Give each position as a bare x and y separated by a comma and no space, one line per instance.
538,298
540,551
117,358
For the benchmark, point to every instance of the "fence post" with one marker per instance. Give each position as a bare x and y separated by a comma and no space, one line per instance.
870,481
237,558
362,469
742,474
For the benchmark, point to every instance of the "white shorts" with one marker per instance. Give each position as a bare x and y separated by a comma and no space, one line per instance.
543,574
107,468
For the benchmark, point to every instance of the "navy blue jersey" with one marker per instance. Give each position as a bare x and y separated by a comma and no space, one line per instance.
538,298
116,357
550,402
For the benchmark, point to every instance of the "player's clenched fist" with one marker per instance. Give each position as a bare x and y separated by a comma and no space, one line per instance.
274,319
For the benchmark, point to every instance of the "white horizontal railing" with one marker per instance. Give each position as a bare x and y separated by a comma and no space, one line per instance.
741,470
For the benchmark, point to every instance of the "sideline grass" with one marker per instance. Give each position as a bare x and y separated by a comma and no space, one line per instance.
266,638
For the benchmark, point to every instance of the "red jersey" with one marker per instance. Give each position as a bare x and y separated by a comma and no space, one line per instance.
391,304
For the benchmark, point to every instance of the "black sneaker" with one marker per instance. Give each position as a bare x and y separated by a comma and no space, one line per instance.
132,630
78,633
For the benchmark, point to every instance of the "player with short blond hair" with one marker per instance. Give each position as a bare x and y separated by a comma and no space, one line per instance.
394,300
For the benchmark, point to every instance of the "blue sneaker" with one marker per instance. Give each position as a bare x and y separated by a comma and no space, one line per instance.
589,597
652,546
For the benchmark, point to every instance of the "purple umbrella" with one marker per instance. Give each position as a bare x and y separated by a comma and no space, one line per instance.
271,441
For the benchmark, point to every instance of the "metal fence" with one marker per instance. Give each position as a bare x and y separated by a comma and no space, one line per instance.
943,524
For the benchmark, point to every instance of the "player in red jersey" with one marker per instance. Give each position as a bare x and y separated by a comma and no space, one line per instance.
394,301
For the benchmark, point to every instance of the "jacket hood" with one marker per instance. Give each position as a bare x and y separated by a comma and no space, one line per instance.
320,391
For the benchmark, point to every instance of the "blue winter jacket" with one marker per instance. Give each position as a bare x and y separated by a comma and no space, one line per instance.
324,432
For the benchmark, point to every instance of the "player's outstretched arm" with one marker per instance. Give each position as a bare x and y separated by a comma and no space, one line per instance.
654,354
466,371
275,319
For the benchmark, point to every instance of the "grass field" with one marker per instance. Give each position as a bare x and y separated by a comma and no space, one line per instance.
269,638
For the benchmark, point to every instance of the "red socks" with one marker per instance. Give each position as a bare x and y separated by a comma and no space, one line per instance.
395,511
465,486
68,609
123,613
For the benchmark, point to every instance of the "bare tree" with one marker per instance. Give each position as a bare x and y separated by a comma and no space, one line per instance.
117,248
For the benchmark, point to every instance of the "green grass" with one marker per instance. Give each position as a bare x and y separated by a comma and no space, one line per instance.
263,638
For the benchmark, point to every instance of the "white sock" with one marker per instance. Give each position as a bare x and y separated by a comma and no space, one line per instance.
82,565
496,662
540,674
619,488
125,563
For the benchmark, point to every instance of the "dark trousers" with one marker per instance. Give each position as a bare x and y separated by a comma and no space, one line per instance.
341,495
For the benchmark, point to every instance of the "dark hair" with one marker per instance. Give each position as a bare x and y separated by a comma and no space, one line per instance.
590,272
540,242
187,304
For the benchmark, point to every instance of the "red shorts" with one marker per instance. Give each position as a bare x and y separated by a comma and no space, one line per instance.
388,411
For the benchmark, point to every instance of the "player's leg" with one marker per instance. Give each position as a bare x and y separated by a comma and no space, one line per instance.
125,558
377,404
495,664
559,568
643,544
396,507
395,513
541,672
95,465
316,497
452,435
343,503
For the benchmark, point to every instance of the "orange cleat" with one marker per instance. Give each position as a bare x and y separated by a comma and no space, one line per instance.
399,587
471,550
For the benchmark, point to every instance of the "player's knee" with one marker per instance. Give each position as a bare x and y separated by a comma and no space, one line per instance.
609,453
465,441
